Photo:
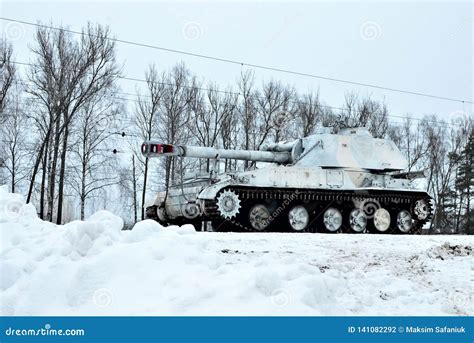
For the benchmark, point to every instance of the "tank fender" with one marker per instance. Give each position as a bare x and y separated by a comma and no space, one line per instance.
210,192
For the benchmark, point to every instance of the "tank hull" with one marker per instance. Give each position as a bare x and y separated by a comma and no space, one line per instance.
280,201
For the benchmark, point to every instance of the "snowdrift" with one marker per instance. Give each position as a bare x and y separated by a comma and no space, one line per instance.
95,268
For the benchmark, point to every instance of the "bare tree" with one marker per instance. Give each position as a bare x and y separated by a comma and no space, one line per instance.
210,114
443,142
94,170
14,146
147,115
128,188
349,117
175,109
273,109
364,113
8,73
263,115
411,141
230,133
247,110
66,75
8,76
309,113
378,118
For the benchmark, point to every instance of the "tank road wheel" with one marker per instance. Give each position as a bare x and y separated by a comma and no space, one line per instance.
259,217
228,204
382,220
404,221
332,219
298,217
357,221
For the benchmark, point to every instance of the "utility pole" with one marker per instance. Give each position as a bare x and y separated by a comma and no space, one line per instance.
134,181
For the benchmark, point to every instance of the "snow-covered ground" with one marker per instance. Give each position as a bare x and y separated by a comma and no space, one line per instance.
94,268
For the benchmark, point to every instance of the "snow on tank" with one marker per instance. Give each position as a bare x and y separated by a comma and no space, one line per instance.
351,148
323,182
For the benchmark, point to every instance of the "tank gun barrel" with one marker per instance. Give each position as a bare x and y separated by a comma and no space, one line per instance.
156,149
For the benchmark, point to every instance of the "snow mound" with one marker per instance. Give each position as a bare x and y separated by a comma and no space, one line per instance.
13,207
142,230
90,236
93,267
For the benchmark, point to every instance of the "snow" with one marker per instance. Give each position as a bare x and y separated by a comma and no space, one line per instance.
95,268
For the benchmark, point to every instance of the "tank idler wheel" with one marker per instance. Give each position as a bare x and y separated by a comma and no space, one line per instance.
298,218
332,220
259,217
382,220
357,221
404,222
421,209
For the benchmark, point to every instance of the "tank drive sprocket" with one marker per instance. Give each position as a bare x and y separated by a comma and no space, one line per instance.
228,204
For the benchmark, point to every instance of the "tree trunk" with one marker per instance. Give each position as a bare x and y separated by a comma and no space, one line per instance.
83,185
145,177
469,227
83,202
36,167
43,180
62,172
13,172
247,145
134,176
53,166
167,176
459,212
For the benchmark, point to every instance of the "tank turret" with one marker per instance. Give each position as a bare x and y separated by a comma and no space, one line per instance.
349,182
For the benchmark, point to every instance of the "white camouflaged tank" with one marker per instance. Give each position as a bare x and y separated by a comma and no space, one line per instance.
345,182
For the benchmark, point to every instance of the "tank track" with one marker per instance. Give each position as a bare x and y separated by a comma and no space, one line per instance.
319,200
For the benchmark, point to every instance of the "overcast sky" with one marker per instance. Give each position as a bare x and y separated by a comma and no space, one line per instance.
425,47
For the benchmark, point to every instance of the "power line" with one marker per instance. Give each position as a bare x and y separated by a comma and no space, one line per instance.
251,65
145,81
296,102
